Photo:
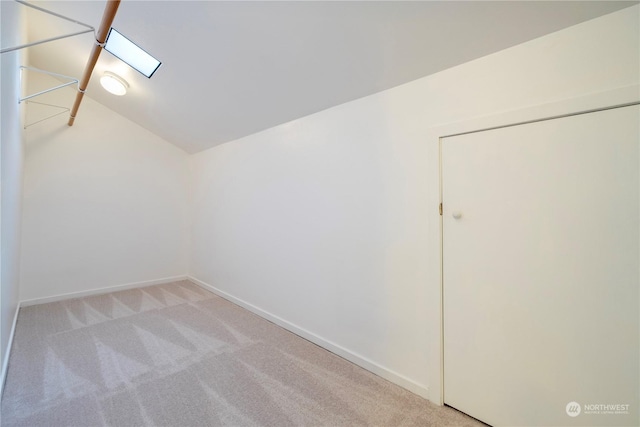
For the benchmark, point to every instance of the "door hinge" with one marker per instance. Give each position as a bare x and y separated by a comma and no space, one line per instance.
440,209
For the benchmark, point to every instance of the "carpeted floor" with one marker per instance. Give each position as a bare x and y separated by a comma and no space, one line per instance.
177,355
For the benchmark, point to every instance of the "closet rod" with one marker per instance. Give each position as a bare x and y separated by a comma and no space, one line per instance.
107,19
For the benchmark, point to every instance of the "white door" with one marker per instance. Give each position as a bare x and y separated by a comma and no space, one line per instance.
541,271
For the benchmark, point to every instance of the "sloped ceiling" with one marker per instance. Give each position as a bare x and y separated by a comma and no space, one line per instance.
234,68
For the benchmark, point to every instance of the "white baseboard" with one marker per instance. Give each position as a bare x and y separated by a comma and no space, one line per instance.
99,291
7,355
361,361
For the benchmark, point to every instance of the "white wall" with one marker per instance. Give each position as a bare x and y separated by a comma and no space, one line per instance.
329,223
105,201
11,139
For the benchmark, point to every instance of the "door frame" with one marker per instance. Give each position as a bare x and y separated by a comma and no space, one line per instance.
614,98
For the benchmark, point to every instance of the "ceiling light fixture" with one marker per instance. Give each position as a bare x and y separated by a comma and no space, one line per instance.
126,50
113,83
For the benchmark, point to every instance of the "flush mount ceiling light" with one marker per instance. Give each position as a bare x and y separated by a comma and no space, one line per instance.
114,83
126,50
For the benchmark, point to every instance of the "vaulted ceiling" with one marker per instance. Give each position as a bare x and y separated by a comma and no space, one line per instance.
234,68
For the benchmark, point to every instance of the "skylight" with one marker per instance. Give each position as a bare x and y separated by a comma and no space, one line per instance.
124,49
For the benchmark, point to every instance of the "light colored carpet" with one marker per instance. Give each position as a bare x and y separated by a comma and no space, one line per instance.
177,355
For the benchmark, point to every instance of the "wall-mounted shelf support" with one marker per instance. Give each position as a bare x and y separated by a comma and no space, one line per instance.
26,99
22,46
64,111
71,82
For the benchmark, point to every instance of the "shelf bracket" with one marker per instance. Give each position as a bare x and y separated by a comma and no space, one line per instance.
64,110
89,28
73,80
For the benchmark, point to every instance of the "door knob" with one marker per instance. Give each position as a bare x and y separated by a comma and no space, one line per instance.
457,214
